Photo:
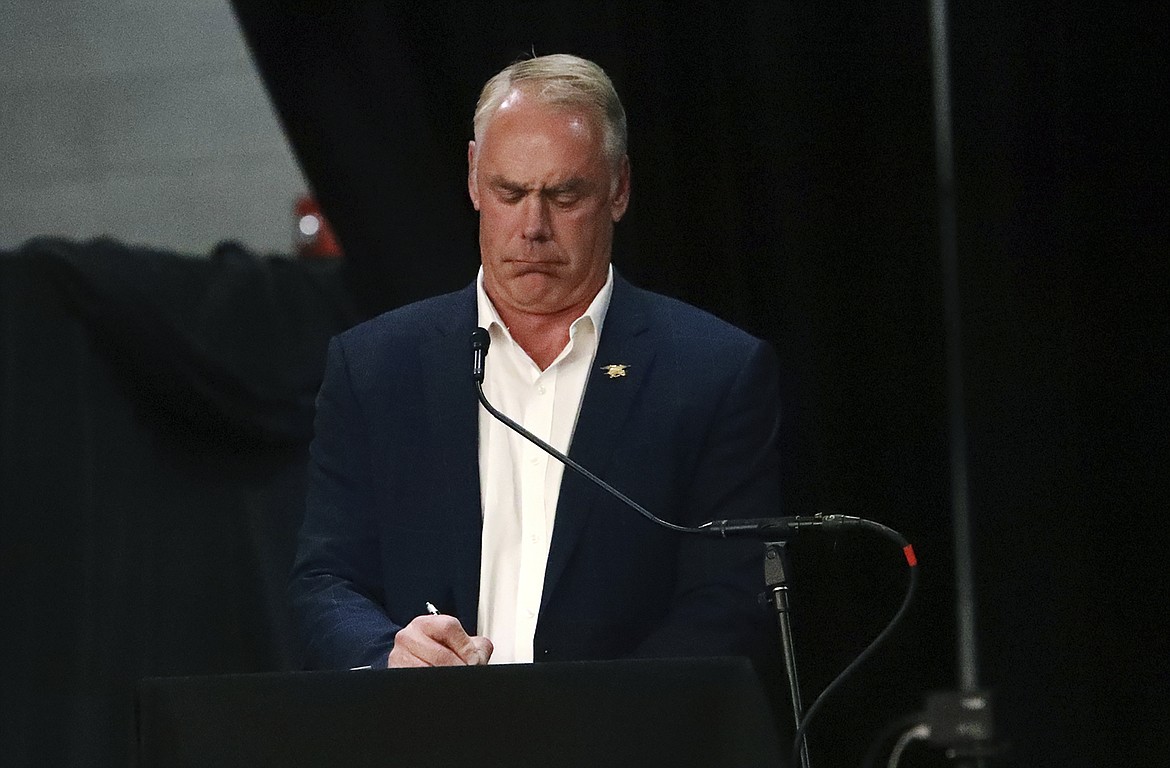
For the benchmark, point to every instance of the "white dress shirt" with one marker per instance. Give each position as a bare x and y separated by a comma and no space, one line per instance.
519,483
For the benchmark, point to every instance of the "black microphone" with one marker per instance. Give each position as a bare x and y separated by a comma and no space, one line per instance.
480,341
770,528
773,528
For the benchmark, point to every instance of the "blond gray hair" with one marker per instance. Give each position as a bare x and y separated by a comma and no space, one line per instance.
559,80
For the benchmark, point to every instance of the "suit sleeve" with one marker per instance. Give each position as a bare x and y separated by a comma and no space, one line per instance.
336,587
716,607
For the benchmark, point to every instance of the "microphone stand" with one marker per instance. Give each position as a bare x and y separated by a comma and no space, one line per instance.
777,582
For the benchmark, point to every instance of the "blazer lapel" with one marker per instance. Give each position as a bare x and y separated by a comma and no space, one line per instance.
604,411
453,424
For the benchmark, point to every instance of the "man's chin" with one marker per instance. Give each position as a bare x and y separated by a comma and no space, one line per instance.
534,282
537,292
535,278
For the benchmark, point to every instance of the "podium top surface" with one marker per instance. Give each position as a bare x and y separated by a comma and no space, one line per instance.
681,712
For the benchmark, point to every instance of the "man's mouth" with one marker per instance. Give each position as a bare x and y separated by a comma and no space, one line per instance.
535,262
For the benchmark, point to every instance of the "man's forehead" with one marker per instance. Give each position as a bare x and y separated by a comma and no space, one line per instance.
520,103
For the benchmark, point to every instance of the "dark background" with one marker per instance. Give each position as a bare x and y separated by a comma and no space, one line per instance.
783,179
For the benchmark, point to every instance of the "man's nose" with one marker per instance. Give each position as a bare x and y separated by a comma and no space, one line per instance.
537,225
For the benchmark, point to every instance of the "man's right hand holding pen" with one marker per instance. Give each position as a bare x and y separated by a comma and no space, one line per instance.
435,640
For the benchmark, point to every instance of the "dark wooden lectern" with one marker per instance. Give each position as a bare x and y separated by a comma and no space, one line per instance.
691,712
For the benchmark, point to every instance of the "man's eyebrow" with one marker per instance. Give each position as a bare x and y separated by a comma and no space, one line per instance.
570,186
503,183
575,185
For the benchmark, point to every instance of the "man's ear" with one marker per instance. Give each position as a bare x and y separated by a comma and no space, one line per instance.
621,193
472,186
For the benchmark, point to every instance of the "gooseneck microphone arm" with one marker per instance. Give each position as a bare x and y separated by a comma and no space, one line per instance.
480,340
767,528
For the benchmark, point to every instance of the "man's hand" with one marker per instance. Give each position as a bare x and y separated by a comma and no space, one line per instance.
438,641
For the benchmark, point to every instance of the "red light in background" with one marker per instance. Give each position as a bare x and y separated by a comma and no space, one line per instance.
312,234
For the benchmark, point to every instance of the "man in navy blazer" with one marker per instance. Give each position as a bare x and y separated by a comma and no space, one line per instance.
678,409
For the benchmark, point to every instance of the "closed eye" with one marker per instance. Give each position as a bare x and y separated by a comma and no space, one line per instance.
509,193
564,195
565,199
568,194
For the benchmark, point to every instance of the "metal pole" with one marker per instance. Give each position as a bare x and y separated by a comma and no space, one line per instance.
968,660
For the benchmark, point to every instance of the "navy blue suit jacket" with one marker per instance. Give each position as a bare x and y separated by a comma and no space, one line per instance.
393,515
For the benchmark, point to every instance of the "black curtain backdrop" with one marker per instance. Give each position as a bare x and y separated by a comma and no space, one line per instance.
784,179
155,409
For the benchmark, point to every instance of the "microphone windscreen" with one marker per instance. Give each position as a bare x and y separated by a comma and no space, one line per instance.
480,340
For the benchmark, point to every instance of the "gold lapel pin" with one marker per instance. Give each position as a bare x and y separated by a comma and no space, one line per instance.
614,371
